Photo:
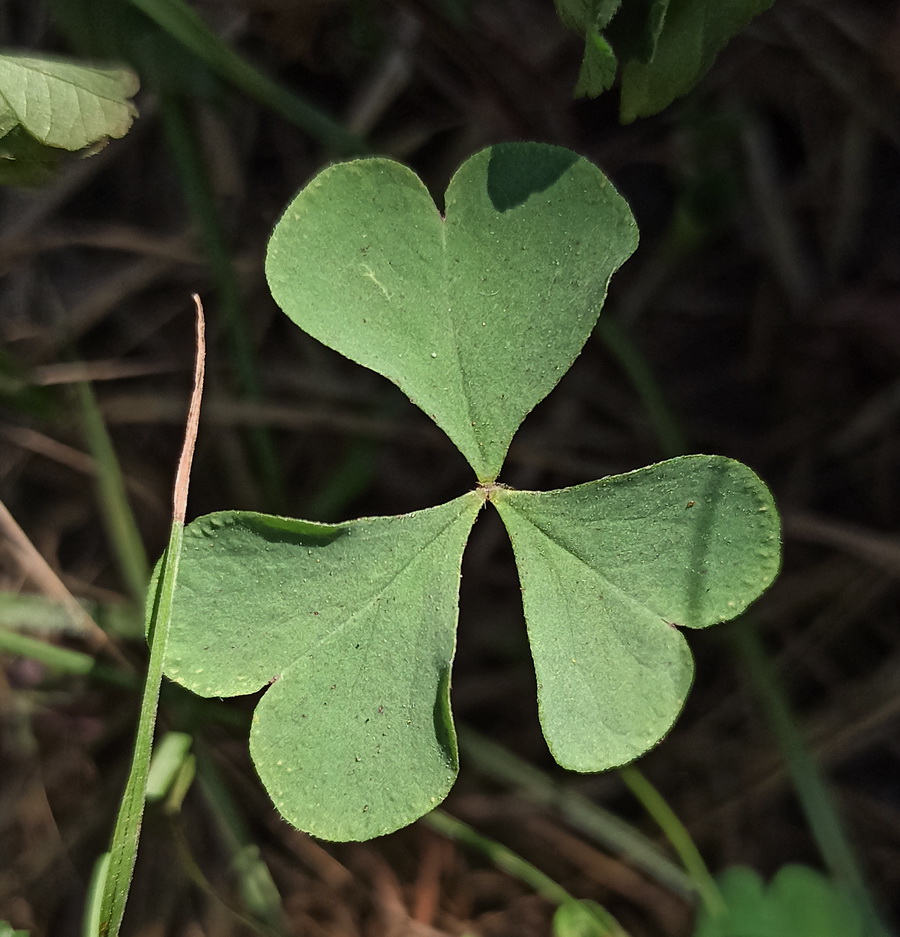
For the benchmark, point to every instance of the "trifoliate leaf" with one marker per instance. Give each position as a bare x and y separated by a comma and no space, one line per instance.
610,571
476,314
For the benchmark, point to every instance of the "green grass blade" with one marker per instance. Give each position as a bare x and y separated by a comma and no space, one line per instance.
123,849
258,891
676,833
61,658
513,864
601,825
184,25
91,923
166,764
39,614
812,790
621,346
201,203
118,517
499,855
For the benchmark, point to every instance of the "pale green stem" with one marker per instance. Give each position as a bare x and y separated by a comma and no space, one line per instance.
61,658
812,789
676,833
601,825
512,863
121,527
185,26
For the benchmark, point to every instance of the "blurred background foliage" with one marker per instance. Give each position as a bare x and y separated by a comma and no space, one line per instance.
759,319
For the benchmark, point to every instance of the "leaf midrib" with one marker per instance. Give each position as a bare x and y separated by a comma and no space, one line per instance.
456,351
369,602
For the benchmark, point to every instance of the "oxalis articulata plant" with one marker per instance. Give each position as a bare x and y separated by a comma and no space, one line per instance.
475,315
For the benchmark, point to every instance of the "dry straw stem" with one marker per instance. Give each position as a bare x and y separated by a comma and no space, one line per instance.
42,574
183,475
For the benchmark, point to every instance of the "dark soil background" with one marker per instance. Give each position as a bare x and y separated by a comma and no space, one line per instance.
764,299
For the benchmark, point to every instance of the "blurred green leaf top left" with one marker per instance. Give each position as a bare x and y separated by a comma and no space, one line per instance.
50,105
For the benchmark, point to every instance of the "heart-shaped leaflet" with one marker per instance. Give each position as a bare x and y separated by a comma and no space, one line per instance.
475,314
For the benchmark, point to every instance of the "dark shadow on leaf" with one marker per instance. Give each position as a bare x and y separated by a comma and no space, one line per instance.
278,529
519,170
444,730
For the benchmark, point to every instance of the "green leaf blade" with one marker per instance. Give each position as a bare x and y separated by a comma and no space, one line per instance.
598,66
686,38
354,626
798,902
596,652
456,311
24,161
585,919
609,569
580,15
635,31
62,104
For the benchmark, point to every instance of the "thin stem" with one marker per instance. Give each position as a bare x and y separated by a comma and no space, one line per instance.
201,203
676,833
121,527
604,827
501,856
257,887
511,862
62,658
185,26
812,790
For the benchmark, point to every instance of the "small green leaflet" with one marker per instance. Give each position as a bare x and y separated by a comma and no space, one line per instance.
610,570
585,919
692,34
598,67
664,46
354,627
589,18
350,628
48,105
798,902
62,104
